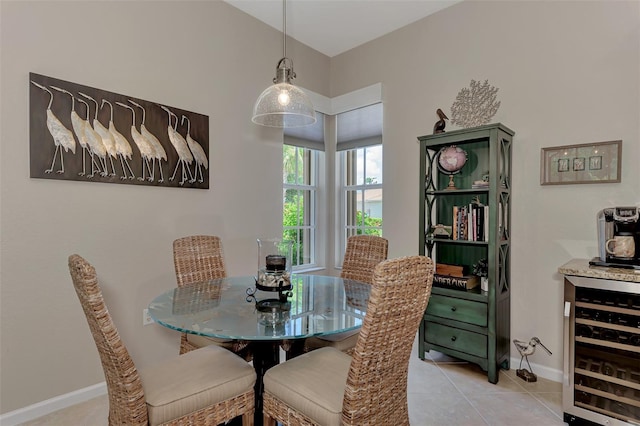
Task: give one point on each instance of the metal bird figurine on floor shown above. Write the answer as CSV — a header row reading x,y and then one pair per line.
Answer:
x,y
526,349
440,124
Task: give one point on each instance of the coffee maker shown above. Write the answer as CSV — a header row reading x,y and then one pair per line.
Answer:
x,y
618,237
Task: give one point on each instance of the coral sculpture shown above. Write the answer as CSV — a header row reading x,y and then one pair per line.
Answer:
x,y
475,105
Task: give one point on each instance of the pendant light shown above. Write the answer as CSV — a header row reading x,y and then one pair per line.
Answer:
x,y
283,104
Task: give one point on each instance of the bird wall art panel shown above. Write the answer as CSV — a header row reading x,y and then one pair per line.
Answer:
x,y
81,133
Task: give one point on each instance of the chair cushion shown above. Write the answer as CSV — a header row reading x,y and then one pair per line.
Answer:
x,y
326,369
341,341
192,381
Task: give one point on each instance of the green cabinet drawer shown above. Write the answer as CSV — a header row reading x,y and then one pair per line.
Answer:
x,y
458,309
455,338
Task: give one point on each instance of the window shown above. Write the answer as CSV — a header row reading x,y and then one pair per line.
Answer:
x,y
362,191
332,182
359,144
300,166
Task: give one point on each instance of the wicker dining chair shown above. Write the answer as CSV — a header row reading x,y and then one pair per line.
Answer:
x,y
199,258
208,386
362,254
328,387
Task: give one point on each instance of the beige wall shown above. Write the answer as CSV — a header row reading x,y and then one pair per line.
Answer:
x,y
205,57
568,72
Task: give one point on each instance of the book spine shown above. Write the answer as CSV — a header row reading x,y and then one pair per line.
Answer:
x,y
486,223
469,223
462,212
474,222
454,233
480,222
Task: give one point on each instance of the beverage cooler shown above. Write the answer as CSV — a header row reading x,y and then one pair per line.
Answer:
x,y
601,383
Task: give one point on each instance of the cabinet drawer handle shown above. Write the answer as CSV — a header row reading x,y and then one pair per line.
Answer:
x,y
453,309
453,338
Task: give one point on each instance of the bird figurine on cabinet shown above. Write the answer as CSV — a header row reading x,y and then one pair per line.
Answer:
x,y
526,349
440,124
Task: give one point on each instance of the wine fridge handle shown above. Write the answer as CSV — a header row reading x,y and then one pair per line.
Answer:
x,y
567,344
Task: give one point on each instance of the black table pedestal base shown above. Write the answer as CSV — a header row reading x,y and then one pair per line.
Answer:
x,y
265,356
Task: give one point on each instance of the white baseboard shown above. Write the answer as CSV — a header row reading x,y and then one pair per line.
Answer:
x,y
540,370
43,408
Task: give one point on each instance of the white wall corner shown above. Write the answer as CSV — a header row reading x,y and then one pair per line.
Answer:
x,y
357,99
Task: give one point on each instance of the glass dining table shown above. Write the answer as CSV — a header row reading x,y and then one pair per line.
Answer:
x,y
232,308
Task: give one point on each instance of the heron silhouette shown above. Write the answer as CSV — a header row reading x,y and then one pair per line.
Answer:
x,y
78,125
123,148
185,158
198,153
160,153
62,137
107,137
96,147
145,148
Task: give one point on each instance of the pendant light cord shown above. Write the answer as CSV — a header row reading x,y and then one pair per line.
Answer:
x,y
284,28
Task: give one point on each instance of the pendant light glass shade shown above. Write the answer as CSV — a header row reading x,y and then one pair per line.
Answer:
x,y
283,104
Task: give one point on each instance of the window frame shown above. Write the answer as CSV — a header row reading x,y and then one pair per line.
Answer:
x,y
348,168
310,173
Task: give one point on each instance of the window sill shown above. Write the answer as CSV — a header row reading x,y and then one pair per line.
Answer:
x,y
309,269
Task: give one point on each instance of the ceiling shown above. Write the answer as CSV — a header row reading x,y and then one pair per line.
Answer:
x,y
335,26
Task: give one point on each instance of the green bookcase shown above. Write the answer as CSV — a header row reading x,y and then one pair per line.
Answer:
x,y
473,325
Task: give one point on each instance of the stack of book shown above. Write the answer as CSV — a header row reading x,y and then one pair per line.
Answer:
x,y
454,277
470,222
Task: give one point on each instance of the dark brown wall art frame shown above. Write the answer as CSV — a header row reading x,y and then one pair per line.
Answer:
x,y
81,133
598,162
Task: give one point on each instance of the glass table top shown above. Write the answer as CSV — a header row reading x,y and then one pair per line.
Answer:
x,y
224,308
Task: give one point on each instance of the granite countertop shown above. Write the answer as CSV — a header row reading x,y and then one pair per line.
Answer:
x,y
581,268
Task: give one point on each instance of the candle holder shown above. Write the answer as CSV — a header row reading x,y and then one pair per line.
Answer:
x,y
274,265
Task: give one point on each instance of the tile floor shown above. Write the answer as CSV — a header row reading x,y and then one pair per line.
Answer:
x,y
442,391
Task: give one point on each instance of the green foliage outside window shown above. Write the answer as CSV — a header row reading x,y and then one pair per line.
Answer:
x,y
370,224
292,217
